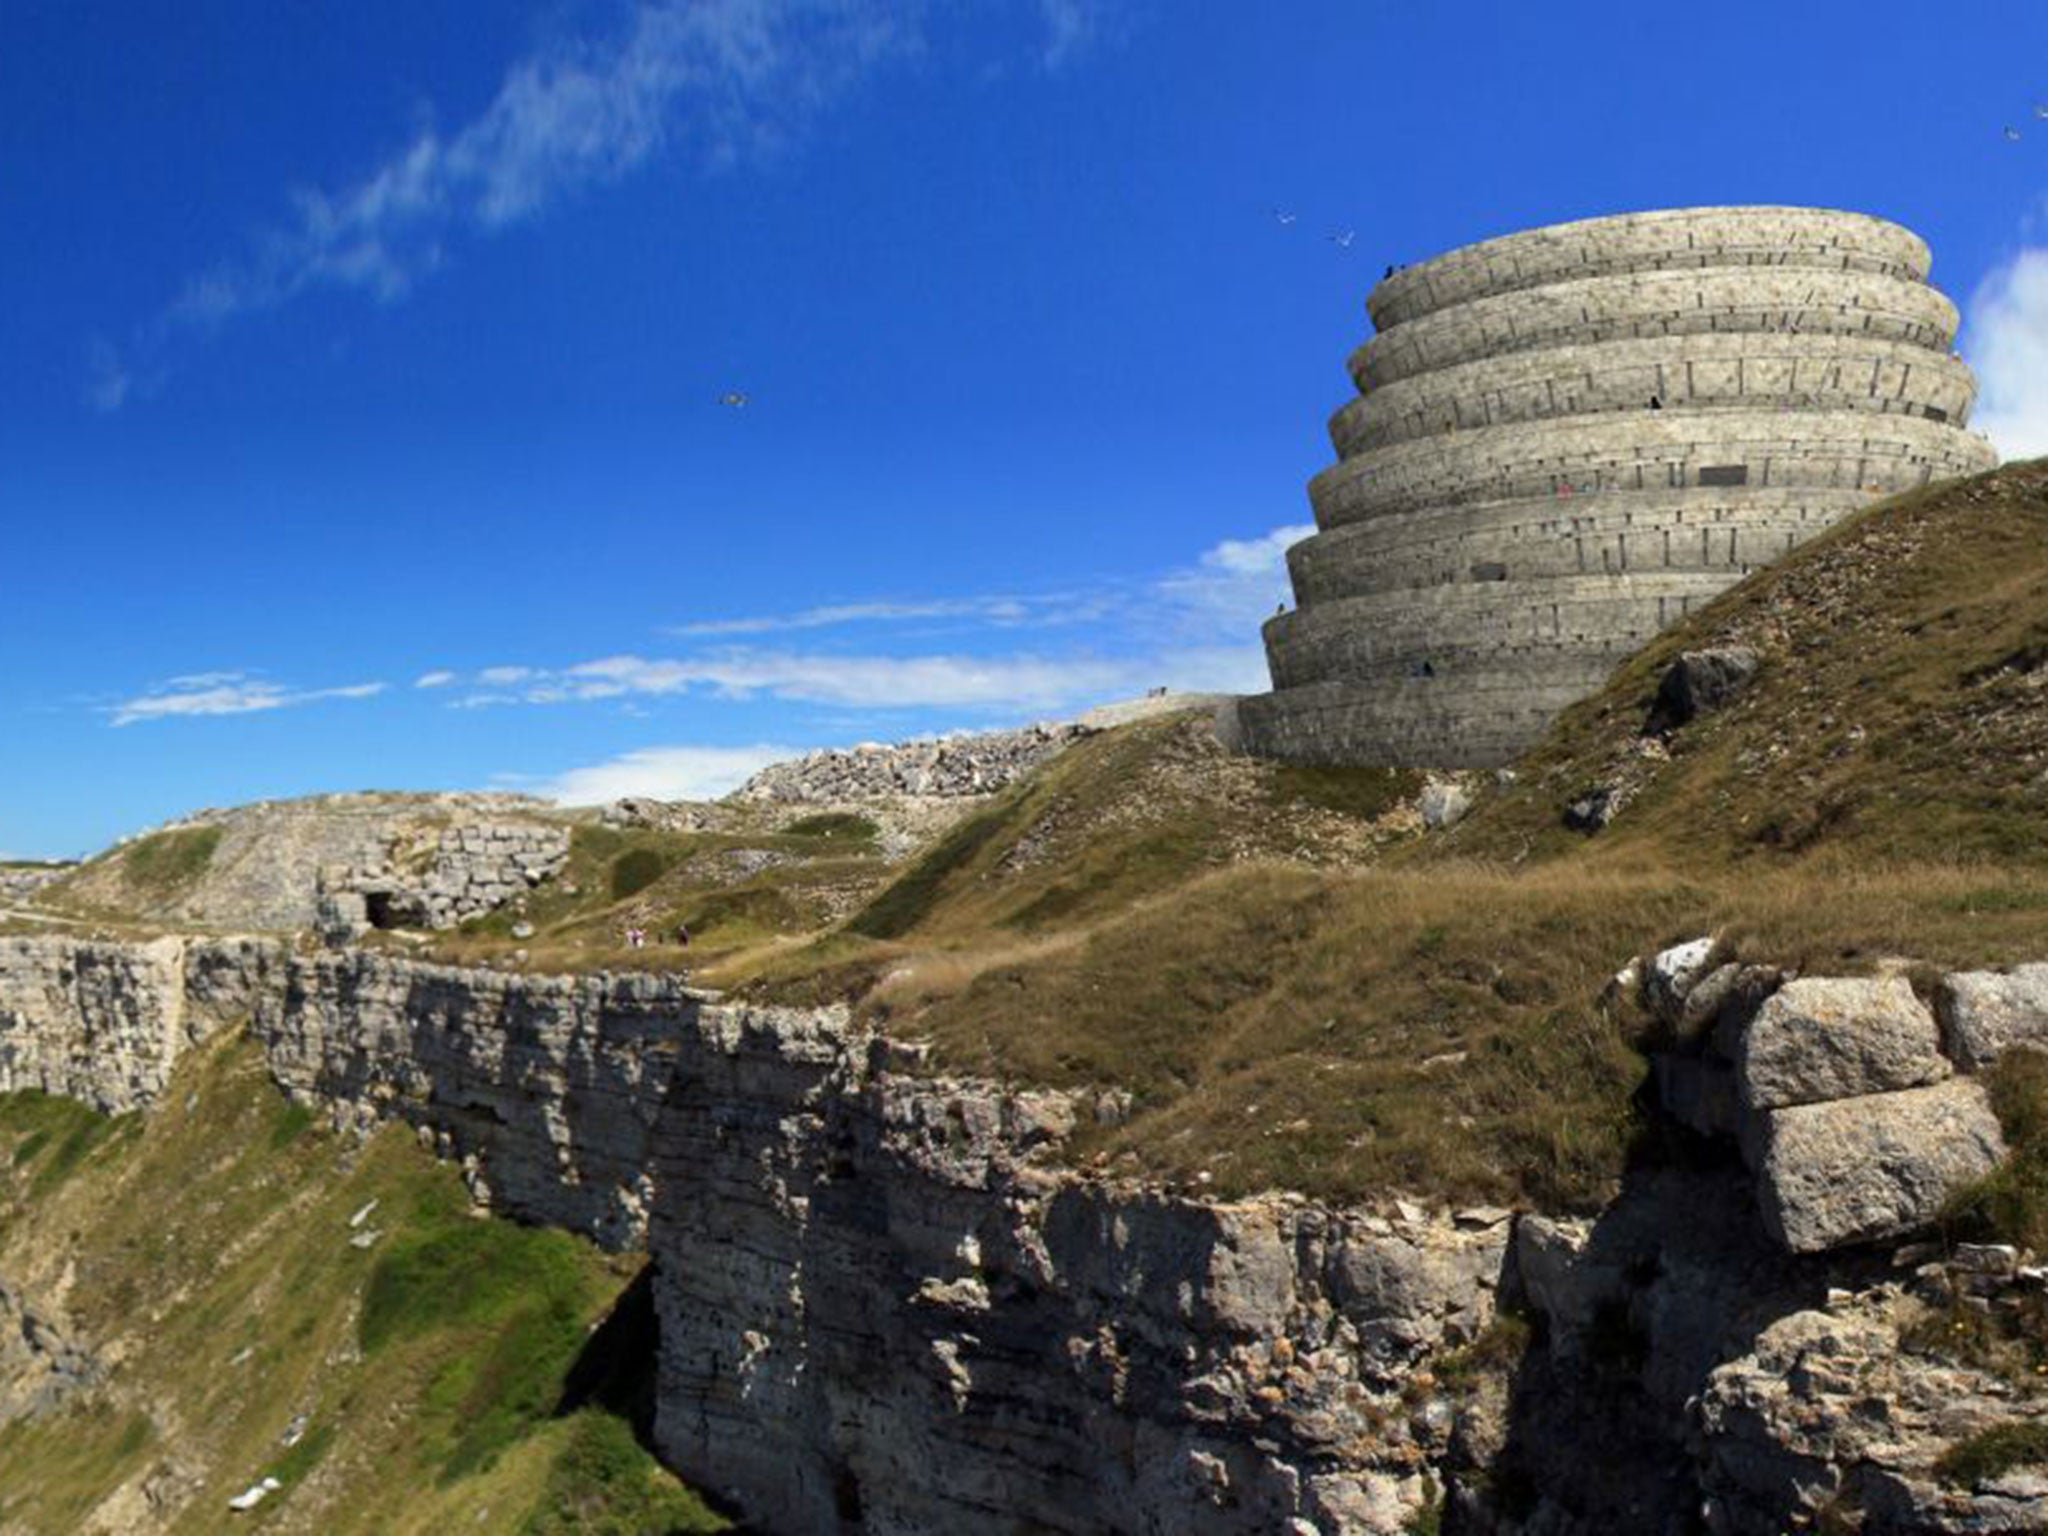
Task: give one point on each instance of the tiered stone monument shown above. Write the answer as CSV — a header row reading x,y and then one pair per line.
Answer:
x,y
1567,439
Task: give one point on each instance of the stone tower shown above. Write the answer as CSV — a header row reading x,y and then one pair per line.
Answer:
x,y
1566,439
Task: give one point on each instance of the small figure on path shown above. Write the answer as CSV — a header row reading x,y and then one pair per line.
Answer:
x,y
683,935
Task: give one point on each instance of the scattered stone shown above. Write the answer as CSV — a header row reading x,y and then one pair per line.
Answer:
x,y
365,1239
1822,1038
1878,1166
362,1215
948,767
295,1431
1594,809
1672,973
522,930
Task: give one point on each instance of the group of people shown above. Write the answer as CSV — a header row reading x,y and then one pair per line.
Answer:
x,y
636,938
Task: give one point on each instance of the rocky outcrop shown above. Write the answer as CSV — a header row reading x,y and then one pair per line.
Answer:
x,y
1837,1091
949,767
889,1303
100,1023
885,1308
40,1368
22,882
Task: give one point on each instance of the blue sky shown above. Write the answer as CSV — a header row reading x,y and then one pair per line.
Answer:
x,y
363,422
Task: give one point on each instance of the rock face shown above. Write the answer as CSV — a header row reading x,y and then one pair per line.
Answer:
x,y
1105,1360
889,1304
884,1304
100,1023
1567,439
950,767
40,1370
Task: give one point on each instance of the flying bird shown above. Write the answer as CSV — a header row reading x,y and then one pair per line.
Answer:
x,y
1342,238
2012,135
733,398
1283,216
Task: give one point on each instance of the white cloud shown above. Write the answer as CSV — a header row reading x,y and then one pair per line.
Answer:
x,y
885,682
2009,350
1071,29
1196,627
226,693
1233,587
439,678
1000,612
663,773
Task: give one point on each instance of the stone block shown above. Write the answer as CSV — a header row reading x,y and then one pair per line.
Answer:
x,y
1987,1013
1821,1038
1858,1170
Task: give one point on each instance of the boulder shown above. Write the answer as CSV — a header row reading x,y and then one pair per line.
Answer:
x,y
1700,682
1444,803
1986,1013
1672,974
1859,1169
1821,1038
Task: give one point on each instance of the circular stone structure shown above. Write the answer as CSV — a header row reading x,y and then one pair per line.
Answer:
x,y
1567,439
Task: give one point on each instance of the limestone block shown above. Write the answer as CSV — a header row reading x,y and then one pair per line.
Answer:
x,y
1987,1013
1856,1170
1821,1038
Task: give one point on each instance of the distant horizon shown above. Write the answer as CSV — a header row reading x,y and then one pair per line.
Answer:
x,y
634,392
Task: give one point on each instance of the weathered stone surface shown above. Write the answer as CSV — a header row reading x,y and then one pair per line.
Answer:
x,y
1855,1170
1987,1013
1444,803
40,1367
1822,1038
100,1023
1700,682
1826,1405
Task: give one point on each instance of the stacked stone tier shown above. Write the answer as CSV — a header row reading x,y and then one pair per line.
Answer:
x,y
1651,450
1669,239
1569,439
1735,371
1672,304
1589,533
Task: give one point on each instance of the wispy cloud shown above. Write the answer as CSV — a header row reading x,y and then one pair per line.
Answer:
x,y
1000,612
2009,350
441,677
662,773
1194,627
225,693
724,80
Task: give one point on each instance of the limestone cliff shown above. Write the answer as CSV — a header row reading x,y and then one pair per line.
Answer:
x,y
887,1303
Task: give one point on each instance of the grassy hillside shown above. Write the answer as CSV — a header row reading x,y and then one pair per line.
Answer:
x,y
1298,991
204,1253
1898,715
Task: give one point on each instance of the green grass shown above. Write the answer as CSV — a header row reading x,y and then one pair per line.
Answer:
x,y
635,870
164,862
2011,1204
835,826
208,1248
1990,1453
605,1484
915,895
48,1138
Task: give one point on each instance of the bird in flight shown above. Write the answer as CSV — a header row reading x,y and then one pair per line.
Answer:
x,y
1283,216
2042,110
2012,135
733,398
1342,238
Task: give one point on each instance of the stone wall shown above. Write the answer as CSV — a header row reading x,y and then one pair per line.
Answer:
x,y
1510,516
441,877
